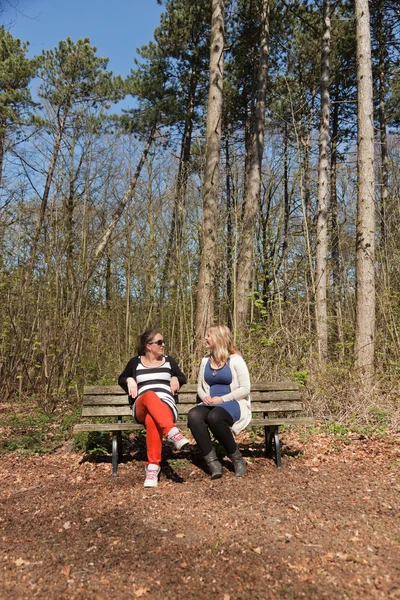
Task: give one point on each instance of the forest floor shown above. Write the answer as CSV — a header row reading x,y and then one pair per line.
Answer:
x,y
327,525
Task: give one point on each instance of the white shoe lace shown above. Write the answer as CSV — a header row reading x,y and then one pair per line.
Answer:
x,y
151,475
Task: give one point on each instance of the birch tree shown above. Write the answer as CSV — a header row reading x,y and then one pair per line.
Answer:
x,y
321,311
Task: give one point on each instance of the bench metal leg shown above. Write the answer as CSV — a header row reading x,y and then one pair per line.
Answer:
x,y
120,454
273,444
115,453
277,449
268,434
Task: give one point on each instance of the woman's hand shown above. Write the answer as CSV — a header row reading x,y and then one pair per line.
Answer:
x,y
210,401
174,384
132,387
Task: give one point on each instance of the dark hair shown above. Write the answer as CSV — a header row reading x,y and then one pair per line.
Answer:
x,y
143,339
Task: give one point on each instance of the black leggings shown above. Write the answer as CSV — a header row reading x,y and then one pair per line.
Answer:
x,y
218,420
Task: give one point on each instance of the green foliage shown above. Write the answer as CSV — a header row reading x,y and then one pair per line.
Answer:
x,y
177,463
301,377
168,80
72,73
30,434
93,442
16,72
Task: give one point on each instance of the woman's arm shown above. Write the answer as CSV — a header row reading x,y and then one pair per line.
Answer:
x,y
242,373
176,372
201,392
127,379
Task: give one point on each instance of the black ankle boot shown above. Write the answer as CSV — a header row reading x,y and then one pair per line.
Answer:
x,y
213,464
238,463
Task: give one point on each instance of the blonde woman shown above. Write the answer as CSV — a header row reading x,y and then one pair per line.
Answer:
x,y
224,390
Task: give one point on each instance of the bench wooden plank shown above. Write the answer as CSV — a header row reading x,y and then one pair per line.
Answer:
x,y
113,390
283,421
105,400
105,411
183,424
189,398
281,406
107,427
255,396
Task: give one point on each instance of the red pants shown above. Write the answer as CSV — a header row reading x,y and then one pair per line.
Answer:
x,y
158,420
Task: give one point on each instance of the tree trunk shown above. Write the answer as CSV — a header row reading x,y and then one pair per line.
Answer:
x,y
229,229
3,123
321,311
334,210
384,183
286,213
365,241
205,291
253,181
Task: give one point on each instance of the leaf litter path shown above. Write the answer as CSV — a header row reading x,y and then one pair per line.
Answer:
x,y
325,526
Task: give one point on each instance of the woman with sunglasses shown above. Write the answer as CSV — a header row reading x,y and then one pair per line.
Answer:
x,y
224,389
151,379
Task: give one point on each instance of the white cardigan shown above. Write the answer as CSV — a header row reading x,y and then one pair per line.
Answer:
x,y
240,389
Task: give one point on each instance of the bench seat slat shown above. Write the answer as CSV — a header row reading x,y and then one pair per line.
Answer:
x,y
104,411
292,406
284,421
107,427
137,427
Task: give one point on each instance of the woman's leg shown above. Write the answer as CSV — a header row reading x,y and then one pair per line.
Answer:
x,y
158,419
146,409
150,403
197,421
220,423
154,437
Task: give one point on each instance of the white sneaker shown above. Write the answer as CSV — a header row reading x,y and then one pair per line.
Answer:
x,y
152,472
177,438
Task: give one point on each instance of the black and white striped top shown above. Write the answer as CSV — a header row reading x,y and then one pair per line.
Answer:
x,y
156,379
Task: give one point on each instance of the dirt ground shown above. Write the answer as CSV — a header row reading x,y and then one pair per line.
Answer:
x,y
327,525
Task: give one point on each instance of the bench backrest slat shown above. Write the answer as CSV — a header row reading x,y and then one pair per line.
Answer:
x,y
262,396
115,390
191,398
105,400
106,411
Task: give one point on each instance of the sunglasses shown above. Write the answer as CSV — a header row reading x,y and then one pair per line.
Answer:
x,y
158,342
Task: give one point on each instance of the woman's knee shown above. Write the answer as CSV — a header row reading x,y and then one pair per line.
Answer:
x,y
214,418
149,397
195,417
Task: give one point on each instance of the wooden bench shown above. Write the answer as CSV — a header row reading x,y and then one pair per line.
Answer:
x,y
272,405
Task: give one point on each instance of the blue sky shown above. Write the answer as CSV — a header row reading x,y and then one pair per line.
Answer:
x,y
117,28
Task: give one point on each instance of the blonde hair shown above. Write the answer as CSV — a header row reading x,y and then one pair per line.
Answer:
x,y
224,344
